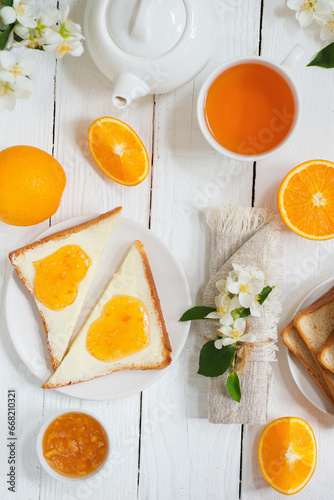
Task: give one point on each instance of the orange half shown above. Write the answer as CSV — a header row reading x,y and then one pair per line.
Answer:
x,y
287,454
306,200
118,151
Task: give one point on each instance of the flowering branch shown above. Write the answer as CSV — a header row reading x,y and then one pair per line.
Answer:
x,y
241,295
21,25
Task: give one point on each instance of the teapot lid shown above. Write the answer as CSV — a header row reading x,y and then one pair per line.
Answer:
x,y
146,28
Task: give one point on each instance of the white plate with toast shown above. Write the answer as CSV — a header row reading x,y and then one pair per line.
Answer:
x,y
28,335
303,379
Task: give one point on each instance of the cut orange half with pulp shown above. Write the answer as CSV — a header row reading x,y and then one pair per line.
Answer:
x,y
306,200
118,151
287,454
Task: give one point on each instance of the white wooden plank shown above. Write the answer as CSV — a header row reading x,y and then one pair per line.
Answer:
x,y
83,95
306,263
30,123
184,456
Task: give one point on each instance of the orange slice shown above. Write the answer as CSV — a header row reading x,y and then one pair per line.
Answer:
x,y
287,454
306,200
118,151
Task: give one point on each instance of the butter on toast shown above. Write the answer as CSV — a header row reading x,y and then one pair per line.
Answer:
x,y
292,339
133,279
91,237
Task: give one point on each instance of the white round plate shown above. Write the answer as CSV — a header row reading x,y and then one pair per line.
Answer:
x,y
301,376
28,335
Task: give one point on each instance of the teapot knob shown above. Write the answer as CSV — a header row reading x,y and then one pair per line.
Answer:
x,y
140,26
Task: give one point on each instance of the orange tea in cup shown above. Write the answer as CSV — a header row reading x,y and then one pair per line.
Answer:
x,y
249,108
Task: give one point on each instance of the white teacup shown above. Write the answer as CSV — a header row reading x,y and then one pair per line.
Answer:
x,y
252,150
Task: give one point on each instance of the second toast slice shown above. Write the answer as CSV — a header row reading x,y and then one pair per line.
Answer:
x,y
86,359
297,346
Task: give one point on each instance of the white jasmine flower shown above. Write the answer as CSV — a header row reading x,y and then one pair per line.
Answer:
x,y
60,46
255,308
47,18
7,94
22,68
13,79
254,273
22,31
7,15
23,87
64,12
306,10
244,284
23,10
67,26
221,286
12,88
234,333
224,305
326,20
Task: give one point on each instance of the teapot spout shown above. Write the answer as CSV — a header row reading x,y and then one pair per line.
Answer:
x,y
127,87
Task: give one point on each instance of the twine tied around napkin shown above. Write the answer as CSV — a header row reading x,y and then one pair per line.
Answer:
x,y
248,237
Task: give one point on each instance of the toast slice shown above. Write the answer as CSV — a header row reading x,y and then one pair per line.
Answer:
x,y
314,325
91,237
134,279
326,353
292,339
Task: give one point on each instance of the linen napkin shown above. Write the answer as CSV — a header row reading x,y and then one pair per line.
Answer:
x,y
245,236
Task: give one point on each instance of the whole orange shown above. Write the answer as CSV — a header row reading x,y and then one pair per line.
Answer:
x,y
31,185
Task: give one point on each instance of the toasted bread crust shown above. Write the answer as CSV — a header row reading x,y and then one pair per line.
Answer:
x,y
158,366
316,374
154,294
321,301
62,234
322,353
54,237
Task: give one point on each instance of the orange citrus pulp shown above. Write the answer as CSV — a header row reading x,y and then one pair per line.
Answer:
x,y
306,200
118,151
287,454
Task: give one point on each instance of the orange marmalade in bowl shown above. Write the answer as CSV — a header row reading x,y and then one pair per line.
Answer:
x,y
75,445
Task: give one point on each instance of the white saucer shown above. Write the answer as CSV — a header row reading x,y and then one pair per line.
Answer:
x,y
28,335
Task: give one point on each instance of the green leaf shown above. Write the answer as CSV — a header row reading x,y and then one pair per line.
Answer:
x,y
8,3
4,36
197,312
324,58
264,294
233,386
244,313
214,362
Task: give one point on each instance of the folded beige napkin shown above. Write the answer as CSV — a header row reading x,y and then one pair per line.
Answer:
x,y
245,236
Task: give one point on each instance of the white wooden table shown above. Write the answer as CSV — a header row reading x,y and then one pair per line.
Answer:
x,y
162,446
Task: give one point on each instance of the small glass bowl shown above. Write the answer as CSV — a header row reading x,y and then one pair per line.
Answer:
x,y
47,467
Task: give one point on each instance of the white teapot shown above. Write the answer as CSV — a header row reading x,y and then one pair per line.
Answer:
x,y
149,46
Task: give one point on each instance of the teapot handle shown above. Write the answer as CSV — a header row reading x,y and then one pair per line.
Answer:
x,y
293,57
